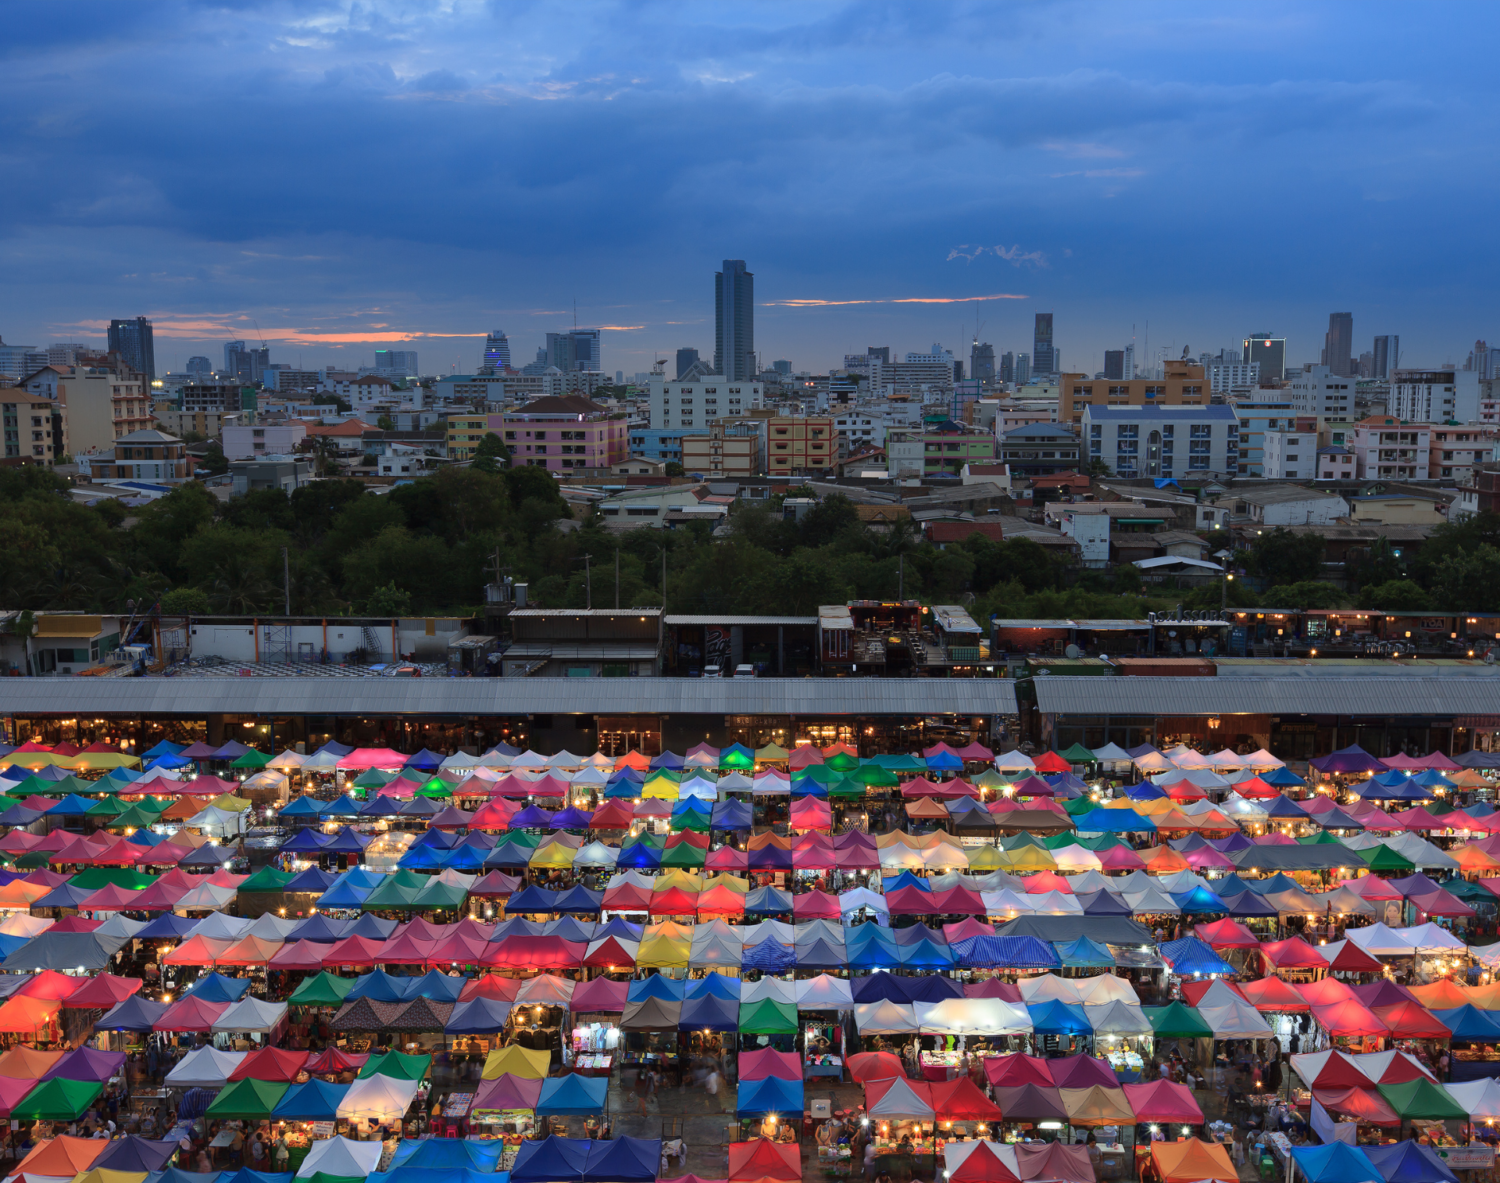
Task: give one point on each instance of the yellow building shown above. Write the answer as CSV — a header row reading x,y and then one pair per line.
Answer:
x,y
464,434
1184,384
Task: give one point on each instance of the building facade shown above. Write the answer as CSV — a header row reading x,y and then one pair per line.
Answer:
x,y
1434,396
35,429
799,446
734,322
1386,448
1319,391
699,402
1162,441
1184,384
1269,353
100,405
726,450
133,340
145,456
245,443
1040,449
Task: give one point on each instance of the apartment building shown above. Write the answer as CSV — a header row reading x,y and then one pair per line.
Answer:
x,y
101,405
1457,451
1386,448
1040,449
701,401
725,450
1183,384
1162,441
560,434
1434,396
36,429
799,446
1291,455
203,424
246,443
1319,392
1336,463
144,456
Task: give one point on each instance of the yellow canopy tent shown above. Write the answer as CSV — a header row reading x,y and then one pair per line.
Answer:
x,y
525,1062
677,877
661,787
231,803
986,858
724,879
663,952
553,856
1032,858
1076,858
897,838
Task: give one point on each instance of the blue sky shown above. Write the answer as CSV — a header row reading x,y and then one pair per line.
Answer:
x,y
348,176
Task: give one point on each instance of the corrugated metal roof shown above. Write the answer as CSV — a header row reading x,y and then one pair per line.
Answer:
x,y
746,620
196,697
1368,695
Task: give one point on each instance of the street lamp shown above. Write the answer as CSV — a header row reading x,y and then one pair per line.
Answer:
x,y
1224,591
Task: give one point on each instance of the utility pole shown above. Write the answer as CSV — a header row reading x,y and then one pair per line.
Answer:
x,y
617,579
1224,593
901,577
588,584
286,579
664,580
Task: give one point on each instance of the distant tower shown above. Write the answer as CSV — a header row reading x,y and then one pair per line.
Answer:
x,y
734,321
1043,361
496,351
134,341
1387,353
199,365
686,356
1339,343
982,362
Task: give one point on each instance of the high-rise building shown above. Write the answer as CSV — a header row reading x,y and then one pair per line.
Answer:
x,y
1114,365
1484,361
66,353
133,341
244,364
782,367
685,358
1007,367
883,352
1023,369
1269,353
396,363
1043,359
199,365
496,351
576,350
982,362
20,361
734,321
1338,343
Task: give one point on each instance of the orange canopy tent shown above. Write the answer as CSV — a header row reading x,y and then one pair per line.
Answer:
x,y
27,1015
26,1063
1192,1161
62,1156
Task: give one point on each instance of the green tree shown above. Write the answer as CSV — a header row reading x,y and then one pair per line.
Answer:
x,y
1097,468
1397,595
389,600
674,469
491,455
385,423
831,517
1308,594
186,601
1281,556
214,460
1468,580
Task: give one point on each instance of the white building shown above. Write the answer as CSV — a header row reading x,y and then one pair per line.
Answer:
x,y
1168,441
1434,396
701,401
1290,505
247,443
1088,525
1224,376
1315,391
1291,455
1336,463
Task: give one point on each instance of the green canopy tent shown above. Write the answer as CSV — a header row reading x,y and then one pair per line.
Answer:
x,y
990,779
874,776
110,806
437,893
1176,1021
436,787
399,891
325,989
1383,858
691,819
768,1017
1423,1100
1077,754
140,816
1323,838
373,778
93,878
1079,806
524,838
1098,842
845,786
251,759
32,860
267,879
1058,841
684,855
57,1100
738,758
397,1065
252,1100
39,786
901,763
1017,841
842,762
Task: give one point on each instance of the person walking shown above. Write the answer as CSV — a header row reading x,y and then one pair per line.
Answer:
x,y
712,1085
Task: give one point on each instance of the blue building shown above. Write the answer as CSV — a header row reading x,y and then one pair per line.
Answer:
x,y
657,443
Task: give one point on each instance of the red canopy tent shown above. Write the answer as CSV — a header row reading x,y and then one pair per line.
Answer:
x,y
1226,934
958,901
865,1066
813,905
1363,1104
1273,995
1294,953
960,1100
1164,1101
768,1062
982,1165
1016,1069
764,1159
1051,762
1349,1020
1411,1020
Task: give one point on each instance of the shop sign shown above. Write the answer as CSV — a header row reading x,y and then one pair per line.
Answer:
x,y
1467,1158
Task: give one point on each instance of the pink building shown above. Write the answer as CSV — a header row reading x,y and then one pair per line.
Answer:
x,y
563,433
1457,450
1390,449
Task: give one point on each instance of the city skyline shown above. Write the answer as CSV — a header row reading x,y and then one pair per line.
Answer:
x,y
1011,161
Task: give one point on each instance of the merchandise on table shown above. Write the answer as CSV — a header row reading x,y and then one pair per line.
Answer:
x,y
1124,1060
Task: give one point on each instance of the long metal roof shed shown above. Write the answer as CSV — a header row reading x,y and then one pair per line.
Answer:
x,y
1290,695
196,697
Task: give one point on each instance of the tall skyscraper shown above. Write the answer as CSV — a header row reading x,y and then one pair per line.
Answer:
x,y
574,350
1114,365
134,342
496,351
1338,343
685,358
734,321
783,367
1042,359
21,361
1007,367
199,365
246,365
1023,369
982,362
1269,353
396,363
1387,353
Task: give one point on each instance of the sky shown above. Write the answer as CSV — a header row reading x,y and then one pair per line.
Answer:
x,y
335,178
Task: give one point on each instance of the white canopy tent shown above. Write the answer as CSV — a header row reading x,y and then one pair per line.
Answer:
x,y
881,1018
1229,1016
381,1099
973,1016
1427,939
251,1015
342,1156
1119,1019
204,1068
773,988
824,993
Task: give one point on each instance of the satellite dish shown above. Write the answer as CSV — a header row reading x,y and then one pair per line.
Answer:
x,y
1071,652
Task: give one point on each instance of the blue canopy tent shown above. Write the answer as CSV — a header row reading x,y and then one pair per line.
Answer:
x,y
622,1160
348,841
1281,778
318,928
423,858
732,815
770,1095
639,857
311,881
882,987
1145,791
533,817
806,786
134,1014
305,841
1199,902
821,954
308,808
579,900
344,806
656,986
1231,884
478,1016
873,951
1103,903
919,931
176,1175
710,1013
569,928
71,806
944,762
1191,956
379,986
669,760
420,807
934,988
925,954
449,1154
1113,821
714,985
19,815
1469,1022
132,1153
334,748
769,858
167,927
1248,903
552,1160
171,763
1409,1162
372,926
770,956
890,883
1084,953
438,987
1010,952
424,759
621,929
381,805
1337,1163
215,987
1285,809
532,898
518,926
1059,1018
313,1100
163,747
67,896
768,901
572,1096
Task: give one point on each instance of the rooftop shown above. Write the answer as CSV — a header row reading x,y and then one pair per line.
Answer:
x,y
1280,494
1215,412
